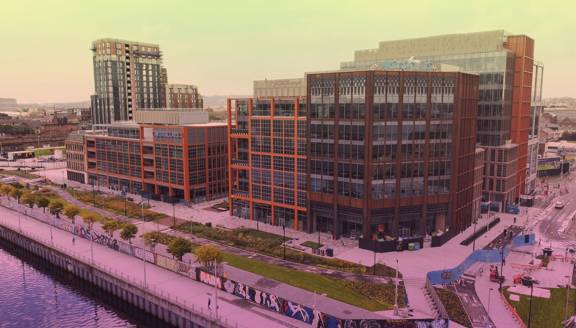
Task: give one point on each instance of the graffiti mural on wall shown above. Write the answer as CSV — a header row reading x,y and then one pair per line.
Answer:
x,y
144,254
98,238
303,313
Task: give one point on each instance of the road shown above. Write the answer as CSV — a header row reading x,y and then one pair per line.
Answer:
x,y
557,224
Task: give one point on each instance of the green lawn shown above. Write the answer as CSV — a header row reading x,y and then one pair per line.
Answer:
x,y
454,307
271,245
372,297
21,174
545,312
335,289
116,204
311,244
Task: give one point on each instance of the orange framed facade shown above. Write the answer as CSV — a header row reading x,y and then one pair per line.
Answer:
x,y
267,160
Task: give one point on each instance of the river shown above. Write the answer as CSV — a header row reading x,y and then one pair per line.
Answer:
x,y
33,294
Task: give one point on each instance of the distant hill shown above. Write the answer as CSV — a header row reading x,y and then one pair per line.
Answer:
x,y
62,105
219,101
560,102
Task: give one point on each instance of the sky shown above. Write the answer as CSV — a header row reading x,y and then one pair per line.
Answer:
x,y
222,46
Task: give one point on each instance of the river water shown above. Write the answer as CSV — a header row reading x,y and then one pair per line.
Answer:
x,y
35,295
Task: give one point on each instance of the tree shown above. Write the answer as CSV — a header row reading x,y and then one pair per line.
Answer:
x,y
42,202
5,189
56,207
16,193
110,226
29,199
208,255
71,211
179,246
128,232
89,219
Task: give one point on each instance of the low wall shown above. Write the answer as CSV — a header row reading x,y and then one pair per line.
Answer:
x,y
167,311
306,314
389,245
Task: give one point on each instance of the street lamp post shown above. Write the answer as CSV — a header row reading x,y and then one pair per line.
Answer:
x,y
318,228
474,241
94,193
374,251
567,296
51,235
395,290
141,208
501,268
530,306
125,204
316,299
489,296
215,290
91,243
284,238
152,246
19,223
174,212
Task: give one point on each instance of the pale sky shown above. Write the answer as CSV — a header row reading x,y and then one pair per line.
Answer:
x,y
222,46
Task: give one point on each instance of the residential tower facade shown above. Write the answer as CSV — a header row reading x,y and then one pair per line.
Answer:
x,y
127,77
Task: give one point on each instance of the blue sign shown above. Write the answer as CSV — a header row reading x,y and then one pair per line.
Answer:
x,y
168,135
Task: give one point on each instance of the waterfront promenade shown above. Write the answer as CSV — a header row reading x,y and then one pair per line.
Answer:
x,y
193,295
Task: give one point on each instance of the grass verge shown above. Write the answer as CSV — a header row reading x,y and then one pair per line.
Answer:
x,y
369,296
545,312
116,204
454,307
271,245
18,173
311,244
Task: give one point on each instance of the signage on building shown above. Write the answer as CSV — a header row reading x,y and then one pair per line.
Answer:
x,y
170,135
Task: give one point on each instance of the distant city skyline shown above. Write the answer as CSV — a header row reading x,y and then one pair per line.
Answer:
x,y
222,48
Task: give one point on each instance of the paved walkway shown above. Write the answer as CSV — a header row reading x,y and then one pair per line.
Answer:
x,y
324,304
336,274
174,287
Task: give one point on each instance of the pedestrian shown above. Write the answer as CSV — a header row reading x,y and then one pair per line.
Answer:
x,y
514,219
209,304
73,240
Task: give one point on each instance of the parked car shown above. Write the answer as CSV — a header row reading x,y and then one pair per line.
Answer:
x,y
559,204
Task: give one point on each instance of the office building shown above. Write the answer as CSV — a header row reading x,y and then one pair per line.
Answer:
x,y
504,63
374,154
536,110
127,77
75,160
183,96
391,153
267,161
161,154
